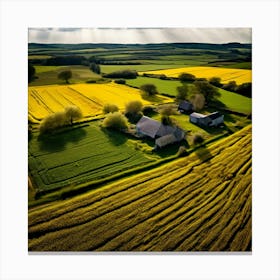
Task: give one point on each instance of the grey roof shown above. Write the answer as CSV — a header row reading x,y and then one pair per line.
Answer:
x,y
197,115
185,105
165,140
214,115
148,126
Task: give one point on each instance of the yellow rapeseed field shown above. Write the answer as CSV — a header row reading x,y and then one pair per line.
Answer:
x,y
44,100
240,76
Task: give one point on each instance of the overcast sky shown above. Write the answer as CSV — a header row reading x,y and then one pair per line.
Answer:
x,y
139,35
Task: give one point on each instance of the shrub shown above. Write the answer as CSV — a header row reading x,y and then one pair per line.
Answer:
x,y
182,151
72,113
52,122
110,108
95,68
133,107
230,86
197,139
182,93
148,110
120,81
91,81
115,120
125,74
149,89
215,81
198,101
186,77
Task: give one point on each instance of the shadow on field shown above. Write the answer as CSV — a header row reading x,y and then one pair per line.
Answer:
x,y
203,154
57,142
116,137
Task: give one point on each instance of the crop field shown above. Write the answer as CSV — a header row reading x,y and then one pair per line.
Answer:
x,y
79,155
201,202
240,76
90,98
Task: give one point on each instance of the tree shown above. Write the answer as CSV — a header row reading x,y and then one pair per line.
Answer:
x,y
115,120
245,89
182,93
95,68
186,77
65,75
230,86
215,81
122,74
133,111
52,122
198,101
110,108
72,113
209,92
31,72
149,89
197,139
166,111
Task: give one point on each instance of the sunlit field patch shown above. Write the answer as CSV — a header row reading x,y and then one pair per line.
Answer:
x,y
240,76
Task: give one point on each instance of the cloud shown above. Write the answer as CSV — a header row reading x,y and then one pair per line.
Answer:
x,y
134,35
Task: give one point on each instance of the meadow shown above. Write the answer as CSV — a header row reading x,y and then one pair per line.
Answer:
x,y
85,153
228,100
240,76
201,202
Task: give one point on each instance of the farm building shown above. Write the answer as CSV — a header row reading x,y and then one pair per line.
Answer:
x,y
164,134
185,107
212,119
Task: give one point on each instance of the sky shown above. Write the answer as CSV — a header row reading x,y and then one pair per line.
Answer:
x,y
71,35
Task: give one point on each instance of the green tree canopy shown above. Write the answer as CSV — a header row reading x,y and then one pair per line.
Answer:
x,y
149,89
65,75
207,90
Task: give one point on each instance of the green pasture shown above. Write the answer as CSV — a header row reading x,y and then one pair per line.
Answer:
x,y
47,75
80,155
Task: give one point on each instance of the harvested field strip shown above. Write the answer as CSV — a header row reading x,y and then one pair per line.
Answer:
x,y
176,207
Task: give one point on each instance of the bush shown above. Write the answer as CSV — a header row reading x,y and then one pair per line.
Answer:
x,y
116,121
215,81
186,77
182,93
182,151
197,139
230,86
149,89
125,74
72,113
65,75
110,108
198,101
133,107
148,110
52,122
95,68
91,81
120,81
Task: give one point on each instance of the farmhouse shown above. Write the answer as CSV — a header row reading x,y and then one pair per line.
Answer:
x,y
185,107
164,134
213,119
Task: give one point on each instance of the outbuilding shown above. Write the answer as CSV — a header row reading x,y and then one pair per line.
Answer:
x,y
185,107
213,119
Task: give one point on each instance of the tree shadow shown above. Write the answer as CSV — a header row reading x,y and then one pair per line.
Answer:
x,y
116,137
57,142
203,154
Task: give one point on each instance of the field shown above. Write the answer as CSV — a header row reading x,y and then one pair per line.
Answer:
x,y
240,76
229,100
201,202
91,98
80,155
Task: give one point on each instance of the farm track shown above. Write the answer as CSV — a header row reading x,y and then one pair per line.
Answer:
x,y
198,203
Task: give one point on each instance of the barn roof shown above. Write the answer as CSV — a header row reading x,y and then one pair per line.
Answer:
x,y
165,140
197,115
148,126
185,105
214,115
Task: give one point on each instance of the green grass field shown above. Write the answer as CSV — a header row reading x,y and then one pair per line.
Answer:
x,y
230,100
80,155
47,75
201,202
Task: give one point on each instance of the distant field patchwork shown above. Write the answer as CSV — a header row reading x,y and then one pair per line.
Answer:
x,y
202,202
226,74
